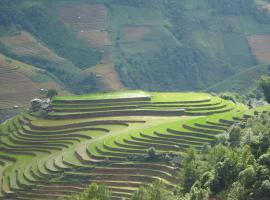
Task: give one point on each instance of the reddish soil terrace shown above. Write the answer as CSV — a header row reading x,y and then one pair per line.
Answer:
x,y
260,47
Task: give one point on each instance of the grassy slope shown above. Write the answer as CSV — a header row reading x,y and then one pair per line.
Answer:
x,y
36,164
43,164
242,82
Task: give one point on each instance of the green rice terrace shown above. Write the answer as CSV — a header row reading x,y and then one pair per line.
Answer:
x,y
104,138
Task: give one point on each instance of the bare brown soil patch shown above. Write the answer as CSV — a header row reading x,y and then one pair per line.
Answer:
x,y
108,77
260,47
89,22
107,57
134,33
85,17
25,44
96,37
16,88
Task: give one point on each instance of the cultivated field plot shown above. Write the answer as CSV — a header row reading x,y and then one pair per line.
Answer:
x,y
89,22
134,33
139,30
96,37
25,44
16,86
85,17
104,138
107,76
260,46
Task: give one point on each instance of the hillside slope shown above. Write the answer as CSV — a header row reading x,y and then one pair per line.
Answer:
x,y
153,45
243,82
156,45
105,138
19,83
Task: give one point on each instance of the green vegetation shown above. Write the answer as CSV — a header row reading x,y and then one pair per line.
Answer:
x,y
236,167
210,46
52,93
106,95
243,82
134,144
154,45
34,19
265,85
124,140
93,192
155,191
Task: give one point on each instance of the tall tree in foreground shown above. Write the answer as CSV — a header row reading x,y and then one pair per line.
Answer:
x,y
237,169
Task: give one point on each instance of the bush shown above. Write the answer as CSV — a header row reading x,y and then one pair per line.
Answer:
x,y
235,136
152,152
155,191
52,93
93,192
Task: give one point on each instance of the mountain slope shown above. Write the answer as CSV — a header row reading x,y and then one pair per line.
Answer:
x,y
153,45
19,83
104,138
242,82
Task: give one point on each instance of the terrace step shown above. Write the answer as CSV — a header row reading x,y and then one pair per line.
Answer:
x,y
91,140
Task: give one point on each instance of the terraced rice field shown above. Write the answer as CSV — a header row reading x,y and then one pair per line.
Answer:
x,y
85,17
25,44
16,85
89,22
260,45
95,138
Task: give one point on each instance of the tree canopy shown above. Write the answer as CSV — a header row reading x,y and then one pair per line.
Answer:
x,y
265,85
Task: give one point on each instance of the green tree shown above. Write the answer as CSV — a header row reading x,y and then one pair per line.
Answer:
x,y
198,193
247,176
247,157
227,171
140,194
93,192
236,192
265,159
155,191
189,172
265,85
265,188
235,136
152,152
231,170
52,93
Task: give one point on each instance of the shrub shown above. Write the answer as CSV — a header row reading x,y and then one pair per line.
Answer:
x,y
235,136
155,191
151,152
51,93
93,192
